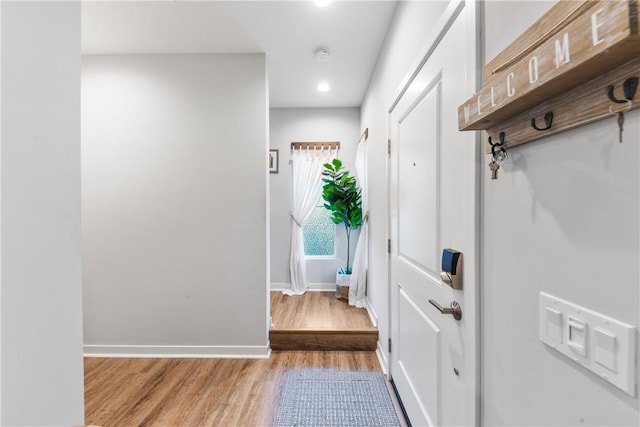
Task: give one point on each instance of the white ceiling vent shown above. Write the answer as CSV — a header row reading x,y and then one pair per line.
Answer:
x,y
322,55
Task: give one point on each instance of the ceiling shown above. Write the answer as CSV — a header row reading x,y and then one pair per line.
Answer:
x,y
288,32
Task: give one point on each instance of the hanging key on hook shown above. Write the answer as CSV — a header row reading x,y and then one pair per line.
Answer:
x,y
620,115
498,155
494,169
629,88
620,118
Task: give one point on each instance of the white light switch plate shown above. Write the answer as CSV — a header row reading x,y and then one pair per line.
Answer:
x,y
608,344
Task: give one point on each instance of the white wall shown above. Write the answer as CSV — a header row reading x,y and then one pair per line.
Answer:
x,y
0,215
307,124
404,46
174,204
562,218
42,368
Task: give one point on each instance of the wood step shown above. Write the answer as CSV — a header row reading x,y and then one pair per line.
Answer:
x,y
315,339
317,321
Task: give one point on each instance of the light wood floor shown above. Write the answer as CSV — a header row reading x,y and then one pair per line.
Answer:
x,y
227,392
198,392
319,321
318,310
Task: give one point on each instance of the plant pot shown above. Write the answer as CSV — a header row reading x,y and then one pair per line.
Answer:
x,y
343,280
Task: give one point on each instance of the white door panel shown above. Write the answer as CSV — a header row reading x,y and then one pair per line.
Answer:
x,y
419,352
418,224
433,205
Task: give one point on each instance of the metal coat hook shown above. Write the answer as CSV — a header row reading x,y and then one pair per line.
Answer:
x,y
548,121
501,137
629,88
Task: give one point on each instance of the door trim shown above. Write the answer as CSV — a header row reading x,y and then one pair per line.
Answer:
x,y
442,26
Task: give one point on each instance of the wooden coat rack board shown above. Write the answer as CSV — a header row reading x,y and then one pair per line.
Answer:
x,y
577,64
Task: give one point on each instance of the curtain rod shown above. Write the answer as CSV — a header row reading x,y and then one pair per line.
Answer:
x,y
326,144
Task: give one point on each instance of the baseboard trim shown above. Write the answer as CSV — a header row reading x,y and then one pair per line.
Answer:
x,y
279,286
382,359
372,314
178,351
313,287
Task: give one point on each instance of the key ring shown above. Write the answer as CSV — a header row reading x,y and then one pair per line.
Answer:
x,y
501,155
628,107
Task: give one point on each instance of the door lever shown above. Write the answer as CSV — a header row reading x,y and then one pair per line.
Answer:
x,y
455,309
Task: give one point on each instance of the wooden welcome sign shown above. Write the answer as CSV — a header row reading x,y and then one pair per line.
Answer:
x,y
572,44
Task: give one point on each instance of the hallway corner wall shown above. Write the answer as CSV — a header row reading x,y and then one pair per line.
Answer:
x,y
41,360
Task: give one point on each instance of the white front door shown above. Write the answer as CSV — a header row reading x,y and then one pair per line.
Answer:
x,y
433,188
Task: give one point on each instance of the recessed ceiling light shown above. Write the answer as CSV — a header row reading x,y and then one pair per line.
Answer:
x,y
323,87
322,3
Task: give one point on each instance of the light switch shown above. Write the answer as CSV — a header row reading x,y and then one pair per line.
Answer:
x,y
596,342
577,335
554,324
605,348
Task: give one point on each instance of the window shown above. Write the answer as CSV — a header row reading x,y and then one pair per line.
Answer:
x,y
319,233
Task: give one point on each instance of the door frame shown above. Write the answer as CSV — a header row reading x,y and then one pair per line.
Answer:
x,y
474,16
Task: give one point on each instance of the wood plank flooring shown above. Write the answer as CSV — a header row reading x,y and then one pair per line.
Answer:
x,y
319,321
319,310
230,392
198,392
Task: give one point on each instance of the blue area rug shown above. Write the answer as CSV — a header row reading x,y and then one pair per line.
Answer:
x,y
326,397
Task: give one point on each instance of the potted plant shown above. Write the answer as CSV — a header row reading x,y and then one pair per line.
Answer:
x,y
342,197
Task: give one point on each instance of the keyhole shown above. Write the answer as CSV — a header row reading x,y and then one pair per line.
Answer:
x,y
455,371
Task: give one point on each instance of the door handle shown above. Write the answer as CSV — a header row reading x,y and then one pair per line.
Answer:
x,y
455,309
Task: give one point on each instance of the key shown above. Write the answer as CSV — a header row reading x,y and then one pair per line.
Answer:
x,y
494,169
620,115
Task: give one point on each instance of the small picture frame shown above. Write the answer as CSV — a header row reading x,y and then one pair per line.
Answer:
x,y
273,161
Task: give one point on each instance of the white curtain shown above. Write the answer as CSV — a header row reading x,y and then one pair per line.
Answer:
x,y
358,285
306,168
